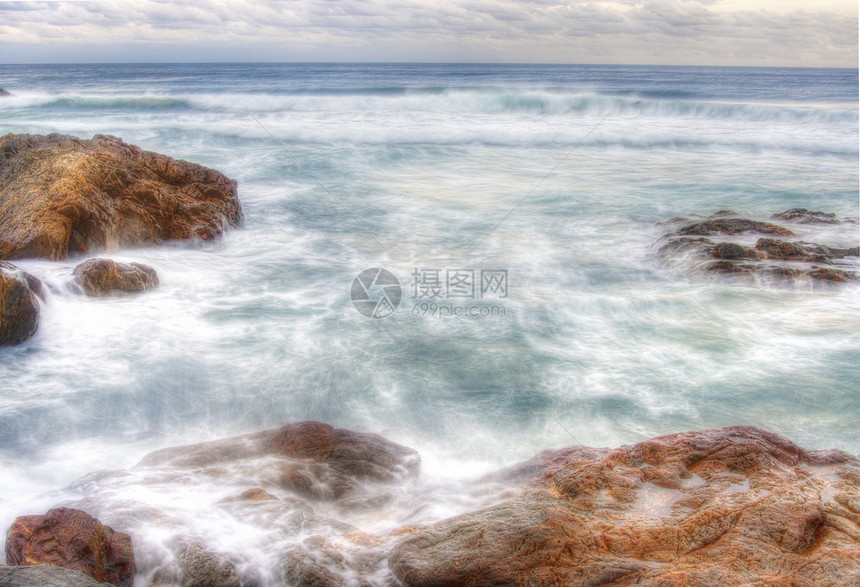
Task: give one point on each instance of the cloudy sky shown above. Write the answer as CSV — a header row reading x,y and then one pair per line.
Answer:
x,y
812,33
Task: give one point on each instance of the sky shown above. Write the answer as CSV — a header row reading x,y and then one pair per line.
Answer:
x,y
801,33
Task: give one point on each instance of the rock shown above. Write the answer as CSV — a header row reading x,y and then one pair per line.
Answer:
x,y
202,567
728,226
791,251
771,258
301,569
732,251
317,461
101,276
19,306
72,539
46,576
693,508
253,495
361,455
804,216
5,93
61,195
830,274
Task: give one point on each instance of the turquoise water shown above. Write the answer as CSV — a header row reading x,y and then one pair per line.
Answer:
x,y
557,175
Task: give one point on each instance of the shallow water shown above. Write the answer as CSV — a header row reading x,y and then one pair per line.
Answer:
x,y
555,174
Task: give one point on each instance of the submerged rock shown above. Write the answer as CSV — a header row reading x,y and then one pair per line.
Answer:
x,y
200,566
769,258
804,216
315,461
46,576
729,226
684,509
692,509
101,276
5,93
74,540
60,195
19,305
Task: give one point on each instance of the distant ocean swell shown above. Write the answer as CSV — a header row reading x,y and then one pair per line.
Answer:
x,y
453,101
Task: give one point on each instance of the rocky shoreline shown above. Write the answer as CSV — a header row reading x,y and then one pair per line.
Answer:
x,y
725,243
62,196
728,506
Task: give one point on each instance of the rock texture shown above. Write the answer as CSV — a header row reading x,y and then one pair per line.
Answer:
x,y
19,306
733,506
74,540
316,460
46,576
736,506
61,195
704,243
100,276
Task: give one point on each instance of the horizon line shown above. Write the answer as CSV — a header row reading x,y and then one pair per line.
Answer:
x,y
429,63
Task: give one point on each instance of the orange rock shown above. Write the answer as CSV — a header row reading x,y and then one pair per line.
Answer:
x,y
60,195
731,506
19,307
74,540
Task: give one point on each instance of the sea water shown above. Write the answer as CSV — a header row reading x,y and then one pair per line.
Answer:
x,y
523,198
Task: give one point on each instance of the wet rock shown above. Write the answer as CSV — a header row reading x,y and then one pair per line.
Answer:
x,y
301,569
253,495
5,93
723,214
730,226
791,251
804,216
60,195
772,259
727,267
19,305
733,251
684,245
46,576
199,566
684,509
75,540
313,460
830,274
361,455
100,276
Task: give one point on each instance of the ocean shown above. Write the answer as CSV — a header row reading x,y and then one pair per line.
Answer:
x,y
515,209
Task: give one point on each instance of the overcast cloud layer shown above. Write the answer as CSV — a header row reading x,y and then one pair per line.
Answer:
x,y
706,32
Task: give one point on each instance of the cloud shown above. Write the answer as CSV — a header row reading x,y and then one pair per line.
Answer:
x,y
621,31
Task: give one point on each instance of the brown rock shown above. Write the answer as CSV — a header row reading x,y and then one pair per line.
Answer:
x,y
804,216
360,455
301,569
61,195
256,494
74,540
202,567
791,251
727,226
829,274
19,306
732,251
732,506
101,276
317,460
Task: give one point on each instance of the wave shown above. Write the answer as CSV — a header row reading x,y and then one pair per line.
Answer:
x,y
441,100
142,103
